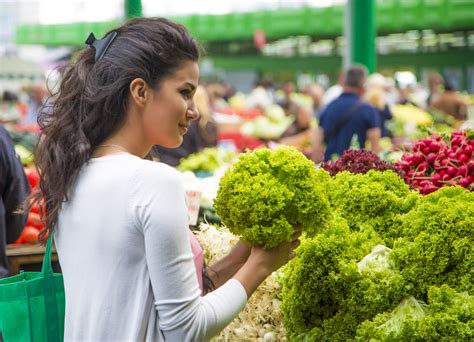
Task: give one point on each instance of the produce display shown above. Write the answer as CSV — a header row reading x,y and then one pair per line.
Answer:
x,y
325,294
437,243
436,162
270,126
265,193
344,283
375,199
206,161
357,161
261,318
408,119
448,316
34,223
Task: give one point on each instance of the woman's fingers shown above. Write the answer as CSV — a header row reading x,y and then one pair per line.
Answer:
x,y
295,244
296,235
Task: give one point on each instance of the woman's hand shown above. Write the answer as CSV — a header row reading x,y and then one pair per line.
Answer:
x,y
272,259
262,262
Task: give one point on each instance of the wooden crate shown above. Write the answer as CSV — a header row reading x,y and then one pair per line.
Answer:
x,y
28,258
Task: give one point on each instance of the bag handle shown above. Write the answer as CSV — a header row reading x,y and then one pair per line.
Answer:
x,y
47,267
50,301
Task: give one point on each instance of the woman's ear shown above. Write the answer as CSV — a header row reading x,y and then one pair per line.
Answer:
x,y
139,92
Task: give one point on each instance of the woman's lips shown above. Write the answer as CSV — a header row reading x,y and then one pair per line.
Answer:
x,y
183,128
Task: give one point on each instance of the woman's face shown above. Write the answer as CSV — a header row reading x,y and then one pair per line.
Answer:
x,y
167,114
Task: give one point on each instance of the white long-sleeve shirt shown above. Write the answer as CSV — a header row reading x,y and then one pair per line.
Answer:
x,y
125,254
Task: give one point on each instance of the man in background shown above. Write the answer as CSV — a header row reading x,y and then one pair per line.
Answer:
x,y
345,118
451,102
14,189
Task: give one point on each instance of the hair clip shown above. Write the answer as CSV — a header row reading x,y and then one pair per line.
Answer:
x,y
100,45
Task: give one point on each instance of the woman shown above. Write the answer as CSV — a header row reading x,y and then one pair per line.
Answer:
x,y
120,221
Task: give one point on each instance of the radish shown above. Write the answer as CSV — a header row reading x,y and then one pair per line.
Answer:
x,y
452,171
435,147
430,158
464,182
463,158
436,178
446,177
462,170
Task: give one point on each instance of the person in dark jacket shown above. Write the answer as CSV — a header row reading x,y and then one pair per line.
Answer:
x,y
345,118
14,189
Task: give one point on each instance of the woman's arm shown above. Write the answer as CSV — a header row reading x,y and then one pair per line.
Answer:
x,y
222,270
251,265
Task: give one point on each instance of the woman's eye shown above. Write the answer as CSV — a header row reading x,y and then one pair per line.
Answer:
x,y
186,93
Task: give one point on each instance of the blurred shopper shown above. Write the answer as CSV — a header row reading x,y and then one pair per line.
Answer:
x,y
217,93
120,222
262,96
346,118
404,95
333,92
316,92
299,133
391,92
202,133
302,119
375,95
37,100
451,102
283,97
435,84
14,189
11,109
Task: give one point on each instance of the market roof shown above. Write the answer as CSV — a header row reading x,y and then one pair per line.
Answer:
x,y
391,16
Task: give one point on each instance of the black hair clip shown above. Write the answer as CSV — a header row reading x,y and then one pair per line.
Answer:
x,y
100,45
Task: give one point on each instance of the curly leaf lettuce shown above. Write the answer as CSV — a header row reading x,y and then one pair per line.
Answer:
x,y
376,199
448,317
266,192
438,243
326,295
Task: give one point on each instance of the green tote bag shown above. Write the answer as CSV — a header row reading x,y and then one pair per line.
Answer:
x,y
32,304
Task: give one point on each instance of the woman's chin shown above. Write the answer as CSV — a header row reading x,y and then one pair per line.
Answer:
x,y
173,144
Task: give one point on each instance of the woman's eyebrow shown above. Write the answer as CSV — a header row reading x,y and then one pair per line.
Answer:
x,y
192,86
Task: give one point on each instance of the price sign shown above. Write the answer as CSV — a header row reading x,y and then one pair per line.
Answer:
x,y
193,202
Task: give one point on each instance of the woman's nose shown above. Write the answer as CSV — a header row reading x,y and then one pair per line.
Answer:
x,y
193,113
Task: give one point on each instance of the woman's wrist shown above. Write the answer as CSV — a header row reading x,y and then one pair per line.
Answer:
x,y
239,253
251,275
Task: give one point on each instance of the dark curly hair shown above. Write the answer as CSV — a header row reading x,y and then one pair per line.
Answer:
x,y
92,101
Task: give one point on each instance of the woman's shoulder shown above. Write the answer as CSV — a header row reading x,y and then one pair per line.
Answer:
x,y
156,172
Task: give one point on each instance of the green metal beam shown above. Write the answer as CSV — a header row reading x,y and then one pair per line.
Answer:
x,y
331,65
363,33
399,61
133,8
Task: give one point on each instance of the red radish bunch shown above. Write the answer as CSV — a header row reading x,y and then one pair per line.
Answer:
x,y
436,162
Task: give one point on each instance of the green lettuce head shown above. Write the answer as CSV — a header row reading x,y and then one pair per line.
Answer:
x,y
265,193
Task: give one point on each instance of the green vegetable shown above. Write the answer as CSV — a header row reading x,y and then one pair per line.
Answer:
x,y
327,294
266,192
376,199
449,317
207,160
26,156
438,247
